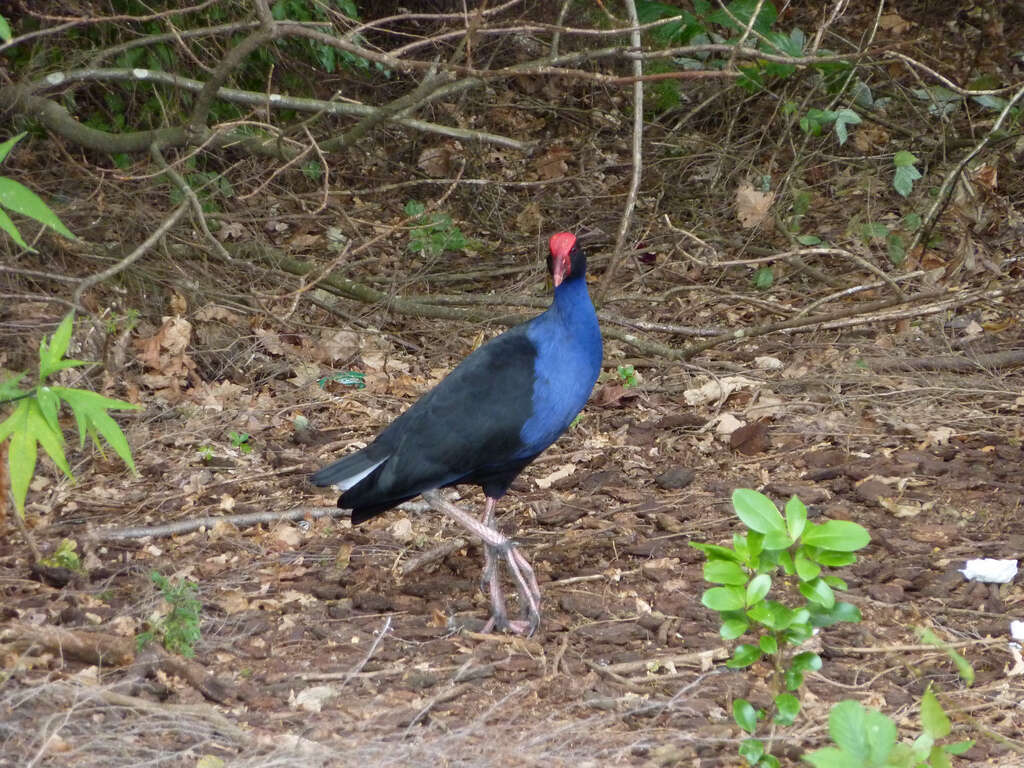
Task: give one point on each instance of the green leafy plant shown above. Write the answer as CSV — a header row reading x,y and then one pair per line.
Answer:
x,y
815,121
906,173
764,278
628,376
205,452
34,420
20,199
865,738
892,235
178,630
801,552
433,233
64,556
241,441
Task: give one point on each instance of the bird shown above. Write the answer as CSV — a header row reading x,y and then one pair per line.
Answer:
x,y
492,415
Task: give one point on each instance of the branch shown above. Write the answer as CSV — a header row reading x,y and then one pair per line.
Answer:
x,y
1010,358
239,521
22,97
634,182
132,257
942,198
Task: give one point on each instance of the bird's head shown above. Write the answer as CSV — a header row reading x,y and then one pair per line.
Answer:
x,y
566,259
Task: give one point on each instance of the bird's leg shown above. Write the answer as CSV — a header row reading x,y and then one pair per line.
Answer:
x,y
490,553
497,545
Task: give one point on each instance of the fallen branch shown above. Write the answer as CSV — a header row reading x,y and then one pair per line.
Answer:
x,y
952,363
97,648
440,552
238,521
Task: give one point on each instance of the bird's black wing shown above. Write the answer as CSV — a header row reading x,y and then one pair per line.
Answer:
x,y
463,428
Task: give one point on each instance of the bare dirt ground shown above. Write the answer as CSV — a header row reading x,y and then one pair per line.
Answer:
x,y
627,668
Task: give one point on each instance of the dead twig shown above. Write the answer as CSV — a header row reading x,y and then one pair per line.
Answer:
x,y
440,552
946,189
638,137
132,257
239,521
954,363
90,647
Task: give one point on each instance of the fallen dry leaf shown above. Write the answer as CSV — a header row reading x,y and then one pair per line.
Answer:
x,y
752,206
552,164
563,471
436,162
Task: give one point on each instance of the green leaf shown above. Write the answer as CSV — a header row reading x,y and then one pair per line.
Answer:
x,y
828,558
51,439
757,512
798,633
6,36
897,250
764,278
793,679
11,229
20,199
90,410
745,715
21,454
768,645
818,592
786,561
806,569
874,230
906,173
715,551
839,612
723,598
864,733
51,354
806,662
724,572
796,517
751,750
958,747
773,615
743,656
9,389
847,726
787,707
837,535
845,117
5,148
49,405
903,159
963,666
758,587
733,628
830,757
933,717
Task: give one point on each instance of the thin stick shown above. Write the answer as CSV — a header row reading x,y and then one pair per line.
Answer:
x,y
638,136
945,191
132,257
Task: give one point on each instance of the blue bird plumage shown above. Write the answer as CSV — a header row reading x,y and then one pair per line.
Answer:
x,y
494,413
491,416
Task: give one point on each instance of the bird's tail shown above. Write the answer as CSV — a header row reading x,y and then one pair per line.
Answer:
x,y
346,472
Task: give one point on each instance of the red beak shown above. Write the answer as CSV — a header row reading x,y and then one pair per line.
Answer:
x,y
559,269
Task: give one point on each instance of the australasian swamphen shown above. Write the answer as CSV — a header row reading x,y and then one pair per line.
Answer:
x,y
491,416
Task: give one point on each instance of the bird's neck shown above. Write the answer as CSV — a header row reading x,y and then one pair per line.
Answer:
x,y
572,303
